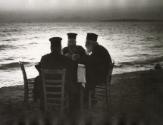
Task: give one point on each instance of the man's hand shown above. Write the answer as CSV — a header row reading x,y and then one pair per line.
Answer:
x,y
68,55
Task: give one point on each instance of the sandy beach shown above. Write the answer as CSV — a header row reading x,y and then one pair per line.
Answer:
x,y
134,96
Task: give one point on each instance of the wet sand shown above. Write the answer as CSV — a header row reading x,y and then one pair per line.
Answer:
x,y
136,96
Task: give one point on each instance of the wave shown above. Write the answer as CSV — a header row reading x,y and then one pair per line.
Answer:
x,y
4,47
12,39
149,38
142,62
13,65
156,46
3,35
33,37
7,59
10,30
33,43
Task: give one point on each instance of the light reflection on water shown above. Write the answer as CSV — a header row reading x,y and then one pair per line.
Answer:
x,y
133,43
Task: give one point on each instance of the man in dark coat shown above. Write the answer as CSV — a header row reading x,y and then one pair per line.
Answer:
x,y
97,63
73,51
55,60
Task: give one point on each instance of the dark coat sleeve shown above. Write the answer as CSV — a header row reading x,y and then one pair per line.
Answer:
x,y
65,50
97,65
44,62
40,64
83,56
82,51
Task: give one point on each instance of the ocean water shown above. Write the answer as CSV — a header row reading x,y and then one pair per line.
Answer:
x,y
133,46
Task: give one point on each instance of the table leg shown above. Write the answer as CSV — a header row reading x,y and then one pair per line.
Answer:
x,y
81,98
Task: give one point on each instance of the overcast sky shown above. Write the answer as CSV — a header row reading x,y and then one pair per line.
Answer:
x,y
106,9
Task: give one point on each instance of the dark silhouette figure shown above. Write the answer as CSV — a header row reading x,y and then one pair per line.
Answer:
x,y
97,64
55,60
73,51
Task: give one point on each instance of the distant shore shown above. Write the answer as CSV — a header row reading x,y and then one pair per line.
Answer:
x,y
80,20
131,20
133,95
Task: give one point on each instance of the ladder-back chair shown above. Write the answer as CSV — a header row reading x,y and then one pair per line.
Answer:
x,y
28,85
102,92
53,84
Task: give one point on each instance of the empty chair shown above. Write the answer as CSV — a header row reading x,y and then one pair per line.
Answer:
x,y
28,85
54,90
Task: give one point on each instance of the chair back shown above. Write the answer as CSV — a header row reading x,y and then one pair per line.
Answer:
x,y
111,66
26,89
108,85
103,91
53,83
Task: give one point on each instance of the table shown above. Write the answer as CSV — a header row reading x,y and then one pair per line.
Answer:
x,y
81,77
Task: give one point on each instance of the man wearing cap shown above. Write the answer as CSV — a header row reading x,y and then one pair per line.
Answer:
x,y
73,51
55,60
97,62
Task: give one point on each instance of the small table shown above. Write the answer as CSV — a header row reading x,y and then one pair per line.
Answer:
x,y
81,77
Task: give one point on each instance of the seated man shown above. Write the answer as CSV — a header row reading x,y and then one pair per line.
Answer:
x,y
73,51
54,60
97,63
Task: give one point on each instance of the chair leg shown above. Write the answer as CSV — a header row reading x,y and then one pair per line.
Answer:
x,y
90,100
81,99
109,98
106,96
68,104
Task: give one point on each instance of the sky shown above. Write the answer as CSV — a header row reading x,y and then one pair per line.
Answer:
x,y
81,9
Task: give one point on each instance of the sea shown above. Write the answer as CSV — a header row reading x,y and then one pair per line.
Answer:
x,y
133,46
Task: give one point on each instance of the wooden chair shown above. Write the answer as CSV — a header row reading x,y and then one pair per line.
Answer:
x,y
102,91
28,85
53,83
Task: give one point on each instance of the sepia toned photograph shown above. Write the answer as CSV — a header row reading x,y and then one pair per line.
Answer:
x,y
81,62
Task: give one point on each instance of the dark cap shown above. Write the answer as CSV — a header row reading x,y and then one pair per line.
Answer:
x,y
92,36
72,35
55,41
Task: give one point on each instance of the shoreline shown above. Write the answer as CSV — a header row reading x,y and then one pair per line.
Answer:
x,y
114,76
133,95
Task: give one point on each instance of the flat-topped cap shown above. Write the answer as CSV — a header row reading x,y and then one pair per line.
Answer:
x,y
72,35
92,36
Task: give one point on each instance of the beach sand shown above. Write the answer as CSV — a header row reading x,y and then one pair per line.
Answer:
x,y
134,96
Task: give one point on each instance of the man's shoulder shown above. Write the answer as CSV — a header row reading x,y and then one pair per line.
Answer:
x,y
65,48
104,51
46,56
101,48
77,46
80,47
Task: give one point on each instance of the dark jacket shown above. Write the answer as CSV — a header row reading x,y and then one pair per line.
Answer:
x,y
97,66
58,61
76,50
54,60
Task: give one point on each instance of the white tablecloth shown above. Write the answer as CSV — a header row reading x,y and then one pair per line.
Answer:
x,y
81,74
